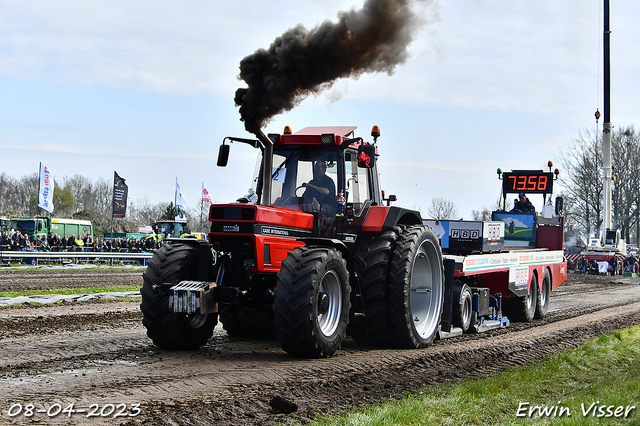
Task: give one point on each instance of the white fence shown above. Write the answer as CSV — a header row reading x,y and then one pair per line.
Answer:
x,y
32,257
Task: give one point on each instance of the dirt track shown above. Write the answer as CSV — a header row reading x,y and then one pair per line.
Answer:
x,y
98,353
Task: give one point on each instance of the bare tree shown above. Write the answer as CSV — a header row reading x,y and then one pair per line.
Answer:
x,y
442,209
10,202
582,180
27,193
143,212
82,190
102,197
625,147
485,212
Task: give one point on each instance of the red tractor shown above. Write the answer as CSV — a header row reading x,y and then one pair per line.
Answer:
x,y
320,254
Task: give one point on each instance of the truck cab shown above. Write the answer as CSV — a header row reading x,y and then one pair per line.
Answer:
x,y
33,226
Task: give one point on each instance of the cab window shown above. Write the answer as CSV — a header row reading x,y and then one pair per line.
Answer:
x,y
357,185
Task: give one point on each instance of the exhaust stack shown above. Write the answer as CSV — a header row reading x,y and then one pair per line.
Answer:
x,y
267,166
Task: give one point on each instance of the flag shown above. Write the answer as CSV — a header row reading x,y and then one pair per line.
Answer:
x,y
45,193
181,205
205,194
120,190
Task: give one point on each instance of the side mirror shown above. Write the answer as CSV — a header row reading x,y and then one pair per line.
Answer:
x,y
366,156
223,155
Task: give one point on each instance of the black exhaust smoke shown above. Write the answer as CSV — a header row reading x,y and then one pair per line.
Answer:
x,y
301,62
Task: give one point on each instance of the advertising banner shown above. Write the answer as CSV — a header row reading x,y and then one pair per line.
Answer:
x,y
120,191
45,193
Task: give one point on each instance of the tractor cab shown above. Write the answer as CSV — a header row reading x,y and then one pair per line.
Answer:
x,y
169,228
324,171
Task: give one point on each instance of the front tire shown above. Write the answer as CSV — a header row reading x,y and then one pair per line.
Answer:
x,y
416,287
312,301
170,264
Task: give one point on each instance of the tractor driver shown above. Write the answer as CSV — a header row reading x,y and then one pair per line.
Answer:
x,y
321,187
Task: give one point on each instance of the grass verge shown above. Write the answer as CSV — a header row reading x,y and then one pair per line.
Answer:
x,y
66,291
582,386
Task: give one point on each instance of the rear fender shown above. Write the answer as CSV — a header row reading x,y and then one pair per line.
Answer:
x,y
381,218
338,245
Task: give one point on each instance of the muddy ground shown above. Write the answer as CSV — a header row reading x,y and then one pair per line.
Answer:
x,y
93,354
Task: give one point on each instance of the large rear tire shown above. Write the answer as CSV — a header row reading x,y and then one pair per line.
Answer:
x,y
311,307
542,300
371,258
416,287
172,263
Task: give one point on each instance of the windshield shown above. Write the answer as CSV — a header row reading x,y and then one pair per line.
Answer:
x,y
175,229
305,179
22,225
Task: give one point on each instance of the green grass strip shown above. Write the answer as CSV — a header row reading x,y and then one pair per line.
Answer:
x,y
582,386
66,291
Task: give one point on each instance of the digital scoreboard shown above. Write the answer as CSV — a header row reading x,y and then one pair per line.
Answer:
x,y
529,182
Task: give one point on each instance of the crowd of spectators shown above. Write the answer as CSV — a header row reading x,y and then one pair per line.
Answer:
x,y
15,241
615,266
19,241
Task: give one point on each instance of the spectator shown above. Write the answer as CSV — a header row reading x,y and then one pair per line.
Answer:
x,y
613,264
71,242
630,264
44,244
51,240
23,242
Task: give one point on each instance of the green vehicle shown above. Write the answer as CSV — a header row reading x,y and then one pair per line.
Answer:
x,y
41,226
171,228
4,224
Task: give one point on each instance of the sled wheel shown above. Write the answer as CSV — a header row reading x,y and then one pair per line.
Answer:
x,y
311,307
542,301
416,281
462,307
172,263
371,258
523,308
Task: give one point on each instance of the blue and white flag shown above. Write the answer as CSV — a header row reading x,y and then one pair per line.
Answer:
x,y
45,196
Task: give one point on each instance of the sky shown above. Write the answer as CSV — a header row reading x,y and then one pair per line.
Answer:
x,y
147,89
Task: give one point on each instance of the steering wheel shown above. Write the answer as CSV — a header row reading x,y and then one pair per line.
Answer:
x,y
296,191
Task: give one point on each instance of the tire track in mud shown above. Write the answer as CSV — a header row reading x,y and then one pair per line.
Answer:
x,y
377,375
98,353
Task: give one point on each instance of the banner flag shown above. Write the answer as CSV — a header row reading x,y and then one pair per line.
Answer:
x,y
120,191
205,194
45,193
181,205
